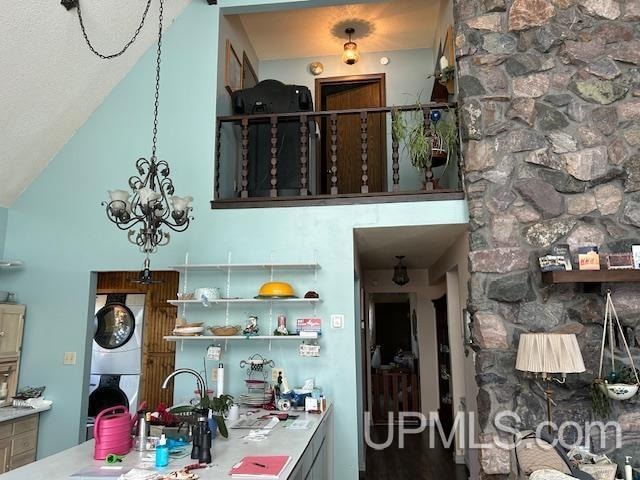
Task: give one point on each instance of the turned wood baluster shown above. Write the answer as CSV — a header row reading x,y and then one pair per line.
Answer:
x,y
395,153
216,187
244,193
364,146
428,172
334,154
274,156
304,155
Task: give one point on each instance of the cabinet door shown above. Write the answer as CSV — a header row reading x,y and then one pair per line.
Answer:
x,y
11,324
5,447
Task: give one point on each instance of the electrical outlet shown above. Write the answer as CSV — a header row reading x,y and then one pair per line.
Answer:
x,y
337,321
275,372
69,358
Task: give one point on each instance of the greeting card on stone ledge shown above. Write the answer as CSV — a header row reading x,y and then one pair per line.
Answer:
x,y
588,258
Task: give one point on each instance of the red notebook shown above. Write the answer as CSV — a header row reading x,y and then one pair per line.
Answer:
x,y
260,467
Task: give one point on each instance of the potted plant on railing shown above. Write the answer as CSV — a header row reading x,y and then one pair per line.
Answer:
x,y
218,405
429,143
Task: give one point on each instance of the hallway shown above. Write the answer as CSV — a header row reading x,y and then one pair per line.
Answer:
x,y
415,461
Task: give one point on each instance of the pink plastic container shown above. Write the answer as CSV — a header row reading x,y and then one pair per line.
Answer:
x,y
112,432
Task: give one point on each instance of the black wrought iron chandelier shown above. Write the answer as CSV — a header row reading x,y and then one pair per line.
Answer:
x,y
400,276
153,210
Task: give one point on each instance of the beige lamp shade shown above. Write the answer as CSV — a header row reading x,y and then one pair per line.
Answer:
x,y
549,353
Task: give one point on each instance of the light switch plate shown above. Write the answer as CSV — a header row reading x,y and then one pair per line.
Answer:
x,y
337,321
69,358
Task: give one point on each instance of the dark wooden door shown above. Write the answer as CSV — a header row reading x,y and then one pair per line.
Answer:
x,y
348,96
445,411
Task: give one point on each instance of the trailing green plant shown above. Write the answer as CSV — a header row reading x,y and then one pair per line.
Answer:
x,y
409,127
626,375
218,405
600,398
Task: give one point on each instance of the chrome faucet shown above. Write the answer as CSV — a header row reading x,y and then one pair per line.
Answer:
x,y
199,379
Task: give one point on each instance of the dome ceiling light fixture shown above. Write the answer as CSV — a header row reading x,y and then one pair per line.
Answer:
x,y
400,276
350,55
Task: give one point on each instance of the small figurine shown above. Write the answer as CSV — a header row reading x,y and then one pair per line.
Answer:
x,y
252,326
282,325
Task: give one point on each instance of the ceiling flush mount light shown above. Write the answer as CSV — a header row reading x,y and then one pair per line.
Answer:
x,y
350,55
151,209
400,276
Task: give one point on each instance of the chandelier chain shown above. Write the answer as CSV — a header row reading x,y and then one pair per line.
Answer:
x,y
157,94
127,45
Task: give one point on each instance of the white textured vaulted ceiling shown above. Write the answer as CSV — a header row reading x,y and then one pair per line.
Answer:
x,y
50,82
396,25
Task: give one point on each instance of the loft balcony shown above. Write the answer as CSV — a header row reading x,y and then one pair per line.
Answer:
x,y
329,157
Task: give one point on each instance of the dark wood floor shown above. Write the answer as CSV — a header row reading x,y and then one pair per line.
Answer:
x,y
417,460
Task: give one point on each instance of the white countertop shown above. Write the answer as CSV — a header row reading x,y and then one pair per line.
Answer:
x,y
225,453
11,413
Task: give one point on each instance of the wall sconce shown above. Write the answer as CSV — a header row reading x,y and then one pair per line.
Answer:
x,y
400,276
350,54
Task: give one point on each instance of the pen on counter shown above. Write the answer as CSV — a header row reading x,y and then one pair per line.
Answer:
x,y
259,464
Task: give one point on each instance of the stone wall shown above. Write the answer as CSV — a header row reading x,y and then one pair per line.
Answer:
x,y
550,104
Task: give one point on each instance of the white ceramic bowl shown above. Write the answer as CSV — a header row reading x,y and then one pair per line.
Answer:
x,y
210,293
621,391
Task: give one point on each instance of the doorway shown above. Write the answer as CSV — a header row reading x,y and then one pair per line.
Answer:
x,y
395,384
346,93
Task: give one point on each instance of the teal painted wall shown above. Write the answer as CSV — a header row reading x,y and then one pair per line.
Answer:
x,y
4,214
61,247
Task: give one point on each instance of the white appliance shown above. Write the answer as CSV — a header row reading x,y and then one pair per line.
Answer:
x,y
110,390
117,342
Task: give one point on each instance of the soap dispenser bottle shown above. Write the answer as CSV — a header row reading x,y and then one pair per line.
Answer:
x,y
628,471
162,452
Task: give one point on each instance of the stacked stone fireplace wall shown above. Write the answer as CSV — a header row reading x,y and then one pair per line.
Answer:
x,y
550,106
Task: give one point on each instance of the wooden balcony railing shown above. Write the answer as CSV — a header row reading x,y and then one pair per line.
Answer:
x,y
250,169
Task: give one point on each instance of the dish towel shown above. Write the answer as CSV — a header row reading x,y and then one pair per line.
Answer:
x,y
139,474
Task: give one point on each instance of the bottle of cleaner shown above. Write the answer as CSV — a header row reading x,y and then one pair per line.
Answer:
x,y
628,471
162,452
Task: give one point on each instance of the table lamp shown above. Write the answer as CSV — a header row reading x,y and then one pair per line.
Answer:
x,y
548,354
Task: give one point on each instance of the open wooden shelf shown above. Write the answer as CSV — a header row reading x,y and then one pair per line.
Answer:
x,y
246,266
591,276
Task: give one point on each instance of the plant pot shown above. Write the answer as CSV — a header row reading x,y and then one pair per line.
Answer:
x,y
621,391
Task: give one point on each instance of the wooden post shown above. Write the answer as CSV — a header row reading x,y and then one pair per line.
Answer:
x,y
274,156
334,154
216,187
244,193
428,172
395,154
304,156
364,146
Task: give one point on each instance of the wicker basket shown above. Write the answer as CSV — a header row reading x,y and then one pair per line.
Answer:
x,y
601,471
225,331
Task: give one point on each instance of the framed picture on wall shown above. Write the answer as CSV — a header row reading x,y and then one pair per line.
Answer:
x,y
232,70
249,77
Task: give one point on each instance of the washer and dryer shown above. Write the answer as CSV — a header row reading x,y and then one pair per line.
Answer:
x,y
116,359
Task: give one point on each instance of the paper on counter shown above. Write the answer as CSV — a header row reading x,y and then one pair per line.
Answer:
x,y
300,424
139,474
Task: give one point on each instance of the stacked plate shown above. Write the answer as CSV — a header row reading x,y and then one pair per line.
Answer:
x,y
255,399
188,331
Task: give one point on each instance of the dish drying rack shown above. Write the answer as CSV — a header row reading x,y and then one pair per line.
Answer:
x,y
258,389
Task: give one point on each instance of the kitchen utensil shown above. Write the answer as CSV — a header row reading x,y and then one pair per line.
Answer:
x,y
276,290
210,293
112,432
225,331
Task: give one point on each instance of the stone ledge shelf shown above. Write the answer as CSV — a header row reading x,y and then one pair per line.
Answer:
x,y
591,276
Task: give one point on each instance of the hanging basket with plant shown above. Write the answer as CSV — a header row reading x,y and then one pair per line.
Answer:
x,y
619,384
430,137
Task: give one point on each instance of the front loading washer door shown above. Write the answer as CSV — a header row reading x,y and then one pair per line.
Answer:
x,y
115,325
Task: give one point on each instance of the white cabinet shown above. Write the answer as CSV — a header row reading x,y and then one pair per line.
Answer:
x,y
316,463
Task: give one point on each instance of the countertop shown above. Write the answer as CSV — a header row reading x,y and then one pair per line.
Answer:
x,y
225,453
11,413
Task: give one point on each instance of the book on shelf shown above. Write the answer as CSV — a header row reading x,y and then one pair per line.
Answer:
x,y
270,466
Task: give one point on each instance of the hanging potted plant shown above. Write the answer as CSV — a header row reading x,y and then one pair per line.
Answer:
x,y
619,384
428,144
